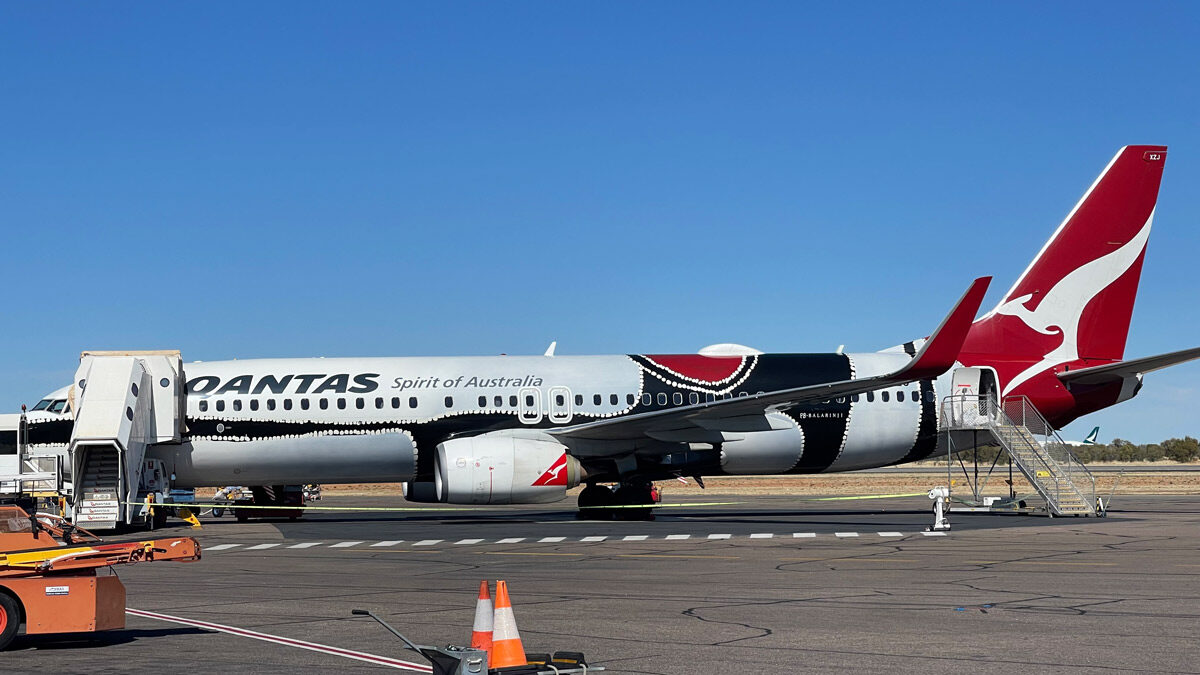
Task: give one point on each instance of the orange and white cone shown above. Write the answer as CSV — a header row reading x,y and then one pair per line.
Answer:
x,y
506,641
481,633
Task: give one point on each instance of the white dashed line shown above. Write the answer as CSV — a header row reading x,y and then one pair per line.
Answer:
x,y
467,541
387,543
428,542
261,547
551,540
591,540
845,534
678,537
307,544
890,534
511,540
719,536
221,547
635,537
934,534
762,535
804,535
345,544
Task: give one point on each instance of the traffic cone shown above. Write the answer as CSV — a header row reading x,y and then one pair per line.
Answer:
x,y
481,633
506,642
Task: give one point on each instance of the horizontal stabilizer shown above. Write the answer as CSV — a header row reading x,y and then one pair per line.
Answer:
x,y
1114,372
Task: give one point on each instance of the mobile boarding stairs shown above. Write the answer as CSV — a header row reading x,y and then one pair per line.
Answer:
x,y
972,421
122,404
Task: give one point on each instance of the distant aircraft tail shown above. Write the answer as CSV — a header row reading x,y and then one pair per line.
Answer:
x,y
1072,305
1091,438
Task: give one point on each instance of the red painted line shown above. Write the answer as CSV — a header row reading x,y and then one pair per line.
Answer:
x,y
288,642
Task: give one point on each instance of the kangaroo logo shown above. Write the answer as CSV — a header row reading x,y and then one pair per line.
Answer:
x,y
1061,308
555,475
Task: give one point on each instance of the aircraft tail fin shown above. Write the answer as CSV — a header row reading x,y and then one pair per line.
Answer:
x,y
1091,438
1075,299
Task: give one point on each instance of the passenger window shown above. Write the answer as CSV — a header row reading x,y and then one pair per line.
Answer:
x,y
870,397
662,399
287,404
647,399
237,404
884,396
677,398
578,399
379,403
203,406
710,397
324,404
412,401
596,399
304,404
629,399
341,402
560,400
528,400
220,406
854,398
254,404
841,399
482,401
612,399
512,401
270,404
499,401
744,393
900,396
449,401
395,403
929,397
693,398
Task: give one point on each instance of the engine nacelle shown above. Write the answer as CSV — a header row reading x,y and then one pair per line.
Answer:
x,y
501,469
775,448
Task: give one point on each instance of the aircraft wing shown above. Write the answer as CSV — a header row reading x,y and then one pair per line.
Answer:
x,y
935,357
1116,372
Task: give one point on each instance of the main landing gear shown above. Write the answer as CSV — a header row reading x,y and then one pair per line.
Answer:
x,y
594,498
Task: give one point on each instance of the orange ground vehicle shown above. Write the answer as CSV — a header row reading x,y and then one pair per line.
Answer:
x,y
49,579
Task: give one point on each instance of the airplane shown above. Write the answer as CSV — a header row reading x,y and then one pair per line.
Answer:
x,y
1090,439
525,429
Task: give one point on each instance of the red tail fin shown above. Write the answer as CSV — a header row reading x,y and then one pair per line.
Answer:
x,y
1074,301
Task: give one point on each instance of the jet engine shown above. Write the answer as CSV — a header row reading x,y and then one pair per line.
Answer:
x,y
774,448
502,469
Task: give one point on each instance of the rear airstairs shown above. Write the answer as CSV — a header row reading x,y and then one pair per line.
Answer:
x,y
971,421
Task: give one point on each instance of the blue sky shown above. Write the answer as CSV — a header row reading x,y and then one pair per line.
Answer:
x,y
338,179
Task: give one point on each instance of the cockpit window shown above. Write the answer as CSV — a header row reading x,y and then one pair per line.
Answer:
x,y
58,405
42,404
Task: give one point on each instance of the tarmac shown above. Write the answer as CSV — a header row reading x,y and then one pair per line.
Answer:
x,y
763,585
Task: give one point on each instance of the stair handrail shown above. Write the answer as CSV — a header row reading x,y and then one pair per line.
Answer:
x,y
1056,448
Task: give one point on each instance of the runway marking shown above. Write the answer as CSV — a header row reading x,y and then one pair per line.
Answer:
x,y
345,544
719,536
592,539
428,542
804,535
307,544
467,541
511,540
261,547
1038,562
762,535
664,555
934,534
527,553
551,540
845,534
387,543
678,537
890,534
220,547
287,642
636,537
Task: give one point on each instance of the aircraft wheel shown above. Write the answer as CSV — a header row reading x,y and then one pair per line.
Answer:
x,y
595,495
10,619
635,495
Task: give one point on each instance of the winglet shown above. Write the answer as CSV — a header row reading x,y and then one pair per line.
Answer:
x,y
940,351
